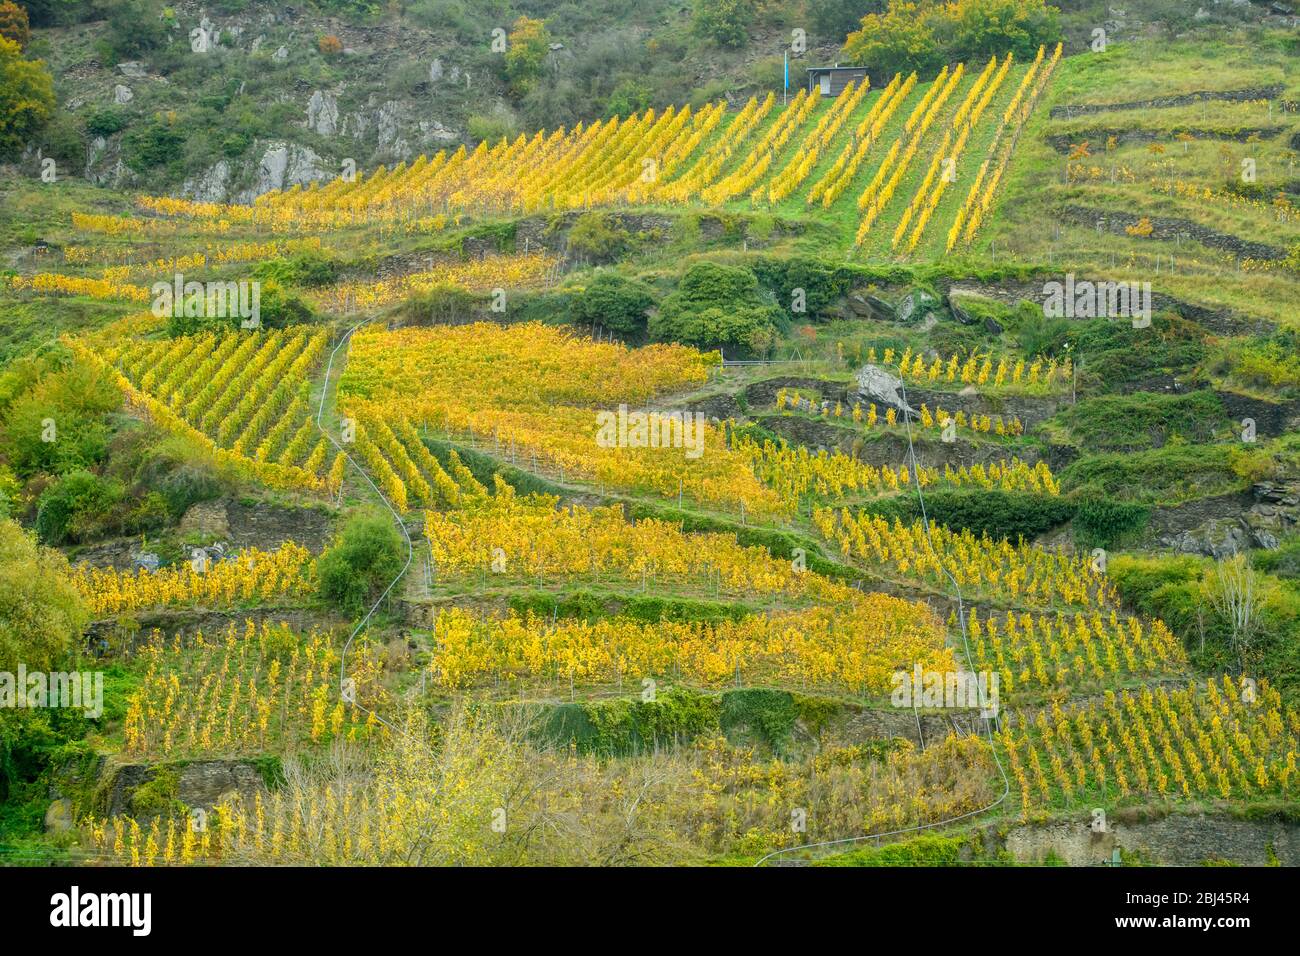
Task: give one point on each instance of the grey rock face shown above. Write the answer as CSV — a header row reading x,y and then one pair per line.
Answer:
x,y
284,165
323,113
211,186
122,94
879,386
1217,538
916,305
868,306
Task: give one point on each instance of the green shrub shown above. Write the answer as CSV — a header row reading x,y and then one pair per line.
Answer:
x,y
1113,356
1284,561
769,713
918,851
595,237
366,558
716,305
73,507
492,127
152,145
624,726
1104,523
822,282
722,22
582,605
134,28
616,303
629,97
911,36
106,121
307,268
58,422
999,514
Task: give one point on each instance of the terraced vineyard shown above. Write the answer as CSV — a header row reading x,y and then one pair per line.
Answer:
x,y
793,476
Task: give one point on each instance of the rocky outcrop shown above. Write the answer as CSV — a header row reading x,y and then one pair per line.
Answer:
x,y
865,305
200,784
323,114
1208,526
1275,513
881,387
916,306
282,165
1222,525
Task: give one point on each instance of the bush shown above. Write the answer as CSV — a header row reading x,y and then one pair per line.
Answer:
x,y
185,486
75,507
44,614
64,139
329,45
833,20
716,305
26,98
14,24
48,13
308,268
368,556
439,303
722,22
595,237
526,51
1284,561
999,514
1166,475
491,128
616,303
822,282
60,424
1116,356
922,36
624,727
277,309
106,122
629,97
1104,523
134,28
770,714
155,144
